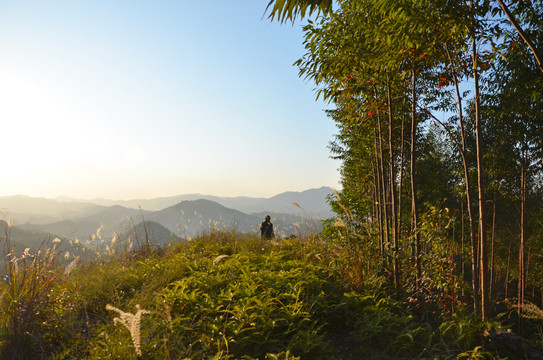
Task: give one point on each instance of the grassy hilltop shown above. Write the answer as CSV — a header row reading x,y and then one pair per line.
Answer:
x,y
220,296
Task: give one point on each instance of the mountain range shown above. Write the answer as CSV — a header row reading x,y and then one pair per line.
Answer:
x,y
166,218
312,202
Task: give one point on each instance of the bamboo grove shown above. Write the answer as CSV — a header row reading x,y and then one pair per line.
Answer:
x,y
439,113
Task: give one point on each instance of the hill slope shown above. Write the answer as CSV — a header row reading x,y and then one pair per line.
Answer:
x,y
191,218
21,238
256,300
150,231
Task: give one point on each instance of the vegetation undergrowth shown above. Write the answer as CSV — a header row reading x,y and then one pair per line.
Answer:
x,y
222,296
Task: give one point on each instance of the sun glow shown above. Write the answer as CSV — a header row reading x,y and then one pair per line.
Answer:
x,y
99,106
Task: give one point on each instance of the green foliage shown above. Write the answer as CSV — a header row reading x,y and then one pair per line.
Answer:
x,y
227,297
438,292
476,354
382,326
285,10
463,332
354,251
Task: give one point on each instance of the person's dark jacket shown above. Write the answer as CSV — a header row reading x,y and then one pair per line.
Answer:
x,y
266,230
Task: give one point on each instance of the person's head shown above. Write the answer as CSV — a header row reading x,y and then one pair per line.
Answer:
x,y
267,218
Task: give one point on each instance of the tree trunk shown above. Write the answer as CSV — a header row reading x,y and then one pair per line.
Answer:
x,y
473,237
483,261
394,221
378,198
400,178
507,274
469,199
462,242
492,246
383,187
414,199
521,261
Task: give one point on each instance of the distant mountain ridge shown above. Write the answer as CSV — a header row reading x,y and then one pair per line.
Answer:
x,y
24,208
311,202
306,203
291,212
164,202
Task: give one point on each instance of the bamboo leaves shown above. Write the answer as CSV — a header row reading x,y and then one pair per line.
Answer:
x,y
285,10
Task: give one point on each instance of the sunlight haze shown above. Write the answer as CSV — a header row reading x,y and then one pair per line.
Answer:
x,y
139,99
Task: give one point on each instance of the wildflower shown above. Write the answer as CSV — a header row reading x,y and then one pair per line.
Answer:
x,y
71,266
340,223
219,258
131,322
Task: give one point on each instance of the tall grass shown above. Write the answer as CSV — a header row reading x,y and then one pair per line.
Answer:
x,y
25,297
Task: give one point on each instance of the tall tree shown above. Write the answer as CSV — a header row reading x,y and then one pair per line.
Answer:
x,y
483,262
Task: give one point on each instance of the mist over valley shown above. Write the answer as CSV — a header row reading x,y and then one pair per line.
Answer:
x,y
159,220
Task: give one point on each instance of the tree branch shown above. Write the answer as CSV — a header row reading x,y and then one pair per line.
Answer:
x,y
523,35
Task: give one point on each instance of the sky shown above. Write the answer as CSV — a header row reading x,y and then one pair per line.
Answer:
x,y
140,99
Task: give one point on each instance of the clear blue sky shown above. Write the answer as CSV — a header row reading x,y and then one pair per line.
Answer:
x,y
138,99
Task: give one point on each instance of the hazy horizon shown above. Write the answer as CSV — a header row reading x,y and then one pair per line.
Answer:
x,y
133,99
64,197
